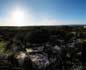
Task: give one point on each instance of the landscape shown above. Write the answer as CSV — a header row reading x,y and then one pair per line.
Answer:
x,y
43,48
42,34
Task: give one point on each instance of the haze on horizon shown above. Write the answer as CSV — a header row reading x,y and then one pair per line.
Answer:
x,y
42,12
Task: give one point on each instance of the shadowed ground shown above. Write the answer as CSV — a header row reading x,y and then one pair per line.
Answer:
x,y
42,48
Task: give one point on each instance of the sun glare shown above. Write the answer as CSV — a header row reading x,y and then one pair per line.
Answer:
x,y
18,17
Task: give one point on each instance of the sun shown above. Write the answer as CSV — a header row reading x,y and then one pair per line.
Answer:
x,y
18,17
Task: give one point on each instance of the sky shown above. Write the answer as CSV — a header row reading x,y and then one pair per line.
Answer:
x,y
42,12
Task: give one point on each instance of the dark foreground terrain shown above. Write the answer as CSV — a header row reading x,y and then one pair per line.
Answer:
x,y
43,48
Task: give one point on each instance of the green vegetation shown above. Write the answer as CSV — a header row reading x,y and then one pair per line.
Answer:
x,y
2,47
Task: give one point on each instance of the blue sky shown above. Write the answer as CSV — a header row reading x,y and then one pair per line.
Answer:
x,y
51,12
